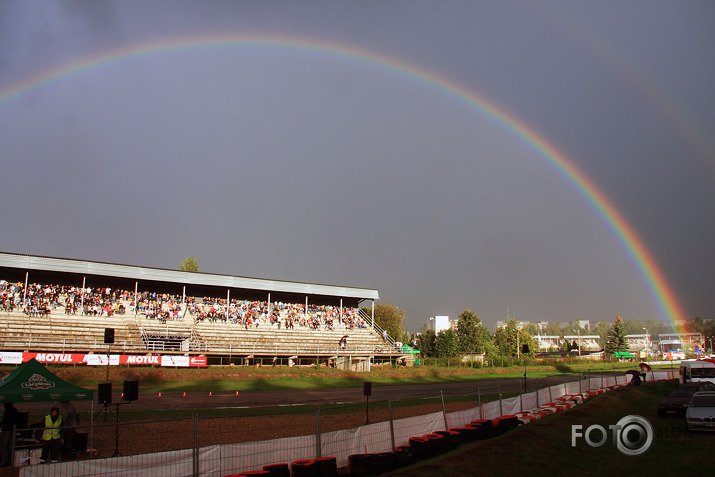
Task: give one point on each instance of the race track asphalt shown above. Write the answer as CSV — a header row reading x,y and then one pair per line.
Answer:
x,y
288,397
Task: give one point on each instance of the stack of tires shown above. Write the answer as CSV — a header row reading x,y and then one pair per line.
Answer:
x,y
423,447
304,468
278,470
321,467
483,429
327,466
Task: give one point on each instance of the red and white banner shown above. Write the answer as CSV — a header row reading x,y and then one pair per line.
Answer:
x,y
101,359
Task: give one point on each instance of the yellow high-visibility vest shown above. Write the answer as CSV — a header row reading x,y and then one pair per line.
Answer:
x,y
52,429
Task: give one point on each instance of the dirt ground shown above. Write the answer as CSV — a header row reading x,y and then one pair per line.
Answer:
x,y
148,437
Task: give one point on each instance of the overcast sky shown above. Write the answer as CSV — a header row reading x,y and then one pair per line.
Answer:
x,y
288,161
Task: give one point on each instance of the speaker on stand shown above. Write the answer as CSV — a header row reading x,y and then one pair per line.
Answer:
x,y
131,390
104,393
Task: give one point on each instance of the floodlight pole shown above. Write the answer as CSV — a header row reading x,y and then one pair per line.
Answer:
x,y
367,409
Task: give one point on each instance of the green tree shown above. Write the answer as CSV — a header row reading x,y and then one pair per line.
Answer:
x,y
189,265
446,344
509,340
425,341
525,339
472,335
390,318
505,339
601,330
616,337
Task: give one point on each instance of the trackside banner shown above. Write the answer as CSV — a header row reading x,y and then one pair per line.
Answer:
x,y
103,359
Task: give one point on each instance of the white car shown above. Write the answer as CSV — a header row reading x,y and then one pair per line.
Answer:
x,y
700,415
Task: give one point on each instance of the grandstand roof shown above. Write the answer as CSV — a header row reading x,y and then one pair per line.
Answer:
x,y
159,275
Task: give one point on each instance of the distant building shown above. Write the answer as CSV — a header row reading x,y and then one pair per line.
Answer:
x,y
440,323
691,342
585,342
637,343
546,342
519,324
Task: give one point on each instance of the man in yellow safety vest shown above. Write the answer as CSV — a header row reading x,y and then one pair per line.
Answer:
x,y
51,436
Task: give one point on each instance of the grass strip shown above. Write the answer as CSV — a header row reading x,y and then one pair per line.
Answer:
x,y
544,447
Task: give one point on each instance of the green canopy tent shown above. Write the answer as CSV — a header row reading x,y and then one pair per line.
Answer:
x,y
32,382
414,352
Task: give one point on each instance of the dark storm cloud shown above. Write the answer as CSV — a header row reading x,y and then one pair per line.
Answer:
x,y
302,165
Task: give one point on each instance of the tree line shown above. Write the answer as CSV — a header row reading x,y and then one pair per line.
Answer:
x,y
471,336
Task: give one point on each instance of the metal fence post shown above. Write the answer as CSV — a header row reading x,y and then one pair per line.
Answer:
x,y
444,411
479,397
392,423
537,393
196,445
501,405
317,432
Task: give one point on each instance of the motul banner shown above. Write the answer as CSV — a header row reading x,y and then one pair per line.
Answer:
x,y
101,359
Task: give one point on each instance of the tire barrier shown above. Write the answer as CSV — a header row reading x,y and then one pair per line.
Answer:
x,y
508,423
420,447
386,461
254,473
363,465
485,428
451,437
466,433
404,456
437,443
327,466
304,468
278,470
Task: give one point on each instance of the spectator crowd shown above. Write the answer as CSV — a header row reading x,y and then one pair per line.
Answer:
x,y
43,299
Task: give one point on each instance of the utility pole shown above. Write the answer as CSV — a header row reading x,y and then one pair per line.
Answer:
x,y
518,346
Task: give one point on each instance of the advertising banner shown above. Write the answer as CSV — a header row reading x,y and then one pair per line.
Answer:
x,y
101,359
10,358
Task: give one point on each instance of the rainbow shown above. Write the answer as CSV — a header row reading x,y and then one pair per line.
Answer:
x,y
650,271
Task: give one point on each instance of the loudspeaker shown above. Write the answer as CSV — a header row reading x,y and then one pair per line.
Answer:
x,y
131,390
108,335
367,388
104,393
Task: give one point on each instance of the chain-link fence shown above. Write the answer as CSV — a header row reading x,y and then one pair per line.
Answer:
x,y
230,444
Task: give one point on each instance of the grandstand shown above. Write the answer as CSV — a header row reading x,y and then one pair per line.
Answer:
x,y
53,305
